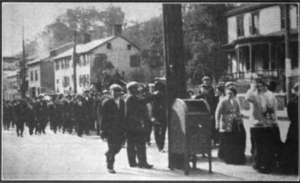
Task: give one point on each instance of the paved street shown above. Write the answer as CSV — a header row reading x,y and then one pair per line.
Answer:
x,y
68,157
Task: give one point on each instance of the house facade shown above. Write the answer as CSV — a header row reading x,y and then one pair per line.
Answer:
x,y
256,43
40,74
10,85
93,57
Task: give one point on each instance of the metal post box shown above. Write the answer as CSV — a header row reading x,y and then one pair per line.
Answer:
x,y
190,130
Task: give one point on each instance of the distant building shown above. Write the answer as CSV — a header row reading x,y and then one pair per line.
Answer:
x,y
10,63
93,58
256,43
10,85
41,76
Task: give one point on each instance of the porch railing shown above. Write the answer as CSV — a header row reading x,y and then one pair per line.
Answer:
x,y
250,75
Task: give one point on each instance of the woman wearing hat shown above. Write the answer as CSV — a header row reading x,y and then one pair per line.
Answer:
x,y
289,157
232,131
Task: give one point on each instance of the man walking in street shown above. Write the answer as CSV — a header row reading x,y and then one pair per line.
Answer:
x,y
135,121
112,125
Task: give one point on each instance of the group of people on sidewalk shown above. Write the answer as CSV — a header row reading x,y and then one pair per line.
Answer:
x,y
130,117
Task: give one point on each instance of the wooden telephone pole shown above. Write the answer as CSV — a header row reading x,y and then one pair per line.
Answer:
x,y
174,65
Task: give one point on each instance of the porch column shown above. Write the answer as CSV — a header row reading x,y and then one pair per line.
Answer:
x,y
250,57
237,62
270,56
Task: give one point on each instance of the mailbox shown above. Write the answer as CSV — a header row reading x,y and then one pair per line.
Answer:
x,y
190,130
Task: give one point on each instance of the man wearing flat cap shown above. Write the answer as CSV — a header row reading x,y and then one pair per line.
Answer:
x,y
79,114
135,122
113,125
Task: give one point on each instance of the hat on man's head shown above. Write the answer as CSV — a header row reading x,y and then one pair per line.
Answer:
x,y
205,78
131,85
105,92
230,83
78,96
115,87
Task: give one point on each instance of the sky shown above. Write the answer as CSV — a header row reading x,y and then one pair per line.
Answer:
x,y
36,16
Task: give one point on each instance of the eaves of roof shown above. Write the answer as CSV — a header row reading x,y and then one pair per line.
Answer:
x,y
247,8
85,48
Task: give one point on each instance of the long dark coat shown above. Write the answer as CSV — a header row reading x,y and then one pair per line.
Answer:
x,y
113,118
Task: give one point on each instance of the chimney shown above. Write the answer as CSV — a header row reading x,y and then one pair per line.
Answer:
x,y
86,38
117,29
53,53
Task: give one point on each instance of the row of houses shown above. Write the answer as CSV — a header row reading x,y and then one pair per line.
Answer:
x,y
255,48
55,72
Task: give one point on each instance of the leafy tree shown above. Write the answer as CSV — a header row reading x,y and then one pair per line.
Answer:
x,y
205,29
83,20
149,37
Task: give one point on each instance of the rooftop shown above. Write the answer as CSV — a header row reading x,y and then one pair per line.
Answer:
x,y
247,8
83,48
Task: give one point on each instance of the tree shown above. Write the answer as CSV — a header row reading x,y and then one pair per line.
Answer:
x,y
83,20
149,37
205,29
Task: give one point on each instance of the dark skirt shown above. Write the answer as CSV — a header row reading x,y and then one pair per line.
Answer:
x,y
233,145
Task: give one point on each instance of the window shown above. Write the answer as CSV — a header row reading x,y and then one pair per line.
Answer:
x,y
240,26
100,60
87,58
108,45
66,81
31,76
57,81
62,64
128,47
254,24
134,61
36,75
57,65
80,80
88,79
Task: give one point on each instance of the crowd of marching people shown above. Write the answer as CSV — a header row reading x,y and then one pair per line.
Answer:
x,y
65,113
130,114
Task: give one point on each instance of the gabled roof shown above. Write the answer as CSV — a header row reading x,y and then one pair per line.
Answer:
x,y
84,48
247,8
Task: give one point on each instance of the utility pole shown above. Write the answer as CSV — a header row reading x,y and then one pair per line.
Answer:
x,y
23,69
174,65
288,69
75,63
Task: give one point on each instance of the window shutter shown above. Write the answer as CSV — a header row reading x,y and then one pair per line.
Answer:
x,y
251,25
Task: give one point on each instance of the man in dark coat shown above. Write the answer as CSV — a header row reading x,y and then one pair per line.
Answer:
x,y
6,115
31,123
19,114
67,116
159,112
37,107
113,125
51,115
204,94
44,116
135,119
79,114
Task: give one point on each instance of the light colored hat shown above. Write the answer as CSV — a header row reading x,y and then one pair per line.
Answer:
x,y
105,91
230,83
48,98
132,84
205,78
115,87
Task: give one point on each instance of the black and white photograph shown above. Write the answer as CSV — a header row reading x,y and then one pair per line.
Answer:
x,y
150,91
